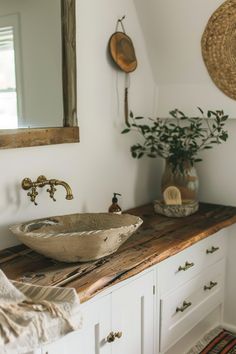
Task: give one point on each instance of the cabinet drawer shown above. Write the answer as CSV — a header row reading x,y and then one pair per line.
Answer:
x,y
185,265
182,309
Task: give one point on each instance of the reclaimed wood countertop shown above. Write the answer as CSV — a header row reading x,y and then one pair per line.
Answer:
x,y
157,239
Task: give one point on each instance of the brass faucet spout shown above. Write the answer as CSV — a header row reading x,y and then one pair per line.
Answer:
x,y
68,189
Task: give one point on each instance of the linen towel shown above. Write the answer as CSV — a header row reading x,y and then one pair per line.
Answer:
x,y
32,315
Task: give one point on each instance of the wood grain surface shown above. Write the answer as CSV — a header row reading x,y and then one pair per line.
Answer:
x,y
16,138
157,239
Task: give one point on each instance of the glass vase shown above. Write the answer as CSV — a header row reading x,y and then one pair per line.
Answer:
x,y
185,179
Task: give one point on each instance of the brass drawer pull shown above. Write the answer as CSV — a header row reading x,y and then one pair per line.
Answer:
x,y
112,336
184,306
186,266
211,285
212,250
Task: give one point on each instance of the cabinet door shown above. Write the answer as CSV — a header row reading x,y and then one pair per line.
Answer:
x,y
133,315
55,347
91,339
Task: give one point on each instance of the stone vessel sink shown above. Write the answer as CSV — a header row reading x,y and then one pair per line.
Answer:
x,y
77,237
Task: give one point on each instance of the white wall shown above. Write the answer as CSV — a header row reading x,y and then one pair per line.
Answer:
x,y
173,31
101,163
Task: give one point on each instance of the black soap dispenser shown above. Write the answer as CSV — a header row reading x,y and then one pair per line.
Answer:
x,y
115,208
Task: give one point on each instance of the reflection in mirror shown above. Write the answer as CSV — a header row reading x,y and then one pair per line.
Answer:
x,y
8,97
38,99
30,64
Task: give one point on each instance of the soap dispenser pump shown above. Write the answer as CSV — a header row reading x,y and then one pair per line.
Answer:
x,y
115,208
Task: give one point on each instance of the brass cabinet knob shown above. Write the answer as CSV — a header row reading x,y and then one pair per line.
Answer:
x,y
112,336
212,250
184,306
211,285
186,266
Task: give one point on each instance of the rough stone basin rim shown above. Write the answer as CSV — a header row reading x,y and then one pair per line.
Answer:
x,y
77,237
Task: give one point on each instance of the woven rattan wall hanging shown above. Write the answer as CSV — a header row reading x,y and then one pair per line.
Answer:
x,y
219,47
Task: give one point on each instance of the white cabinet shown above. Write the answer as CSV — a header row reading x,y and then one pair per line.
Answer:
x,y
131,319
55,347
191,285
120,322
183,308
91,338
133,315
182,267
97,323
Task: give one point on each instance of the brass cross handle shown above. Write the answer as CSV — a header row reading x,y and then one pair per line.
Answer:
x,y
51,192
33,194
186,266
112,336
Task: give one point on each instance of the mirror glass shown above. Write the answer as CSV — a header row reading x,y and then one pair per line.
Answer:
x,y
30,64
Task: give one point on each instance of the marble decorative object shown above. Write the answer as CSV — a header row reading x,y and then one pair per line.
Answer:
x,y
176,211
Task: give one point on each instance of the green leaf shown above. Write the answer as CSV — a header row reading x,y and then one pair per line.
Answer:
x,y
180,140
125,131
200,110
173,113
140,155
212,113
223,136
224,118
181,113
131,114
151,155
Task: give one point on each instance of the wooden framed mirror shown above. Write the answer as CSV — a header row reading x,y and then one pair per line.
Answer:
x,y
12,38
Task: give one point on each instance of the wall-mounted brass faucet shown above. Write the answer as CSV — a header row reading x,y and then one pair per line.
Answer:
x,y
42,181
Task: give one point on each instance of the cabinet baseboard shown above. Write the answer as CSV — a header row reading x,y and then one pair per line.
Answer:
x,y
229,327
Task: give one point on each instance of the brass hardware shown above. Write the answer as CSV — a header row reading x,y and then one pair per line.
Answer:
x,y
69,194
184,306
51,192
42,181
212,250
26,184
33,194
112,336
210,286
186,266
